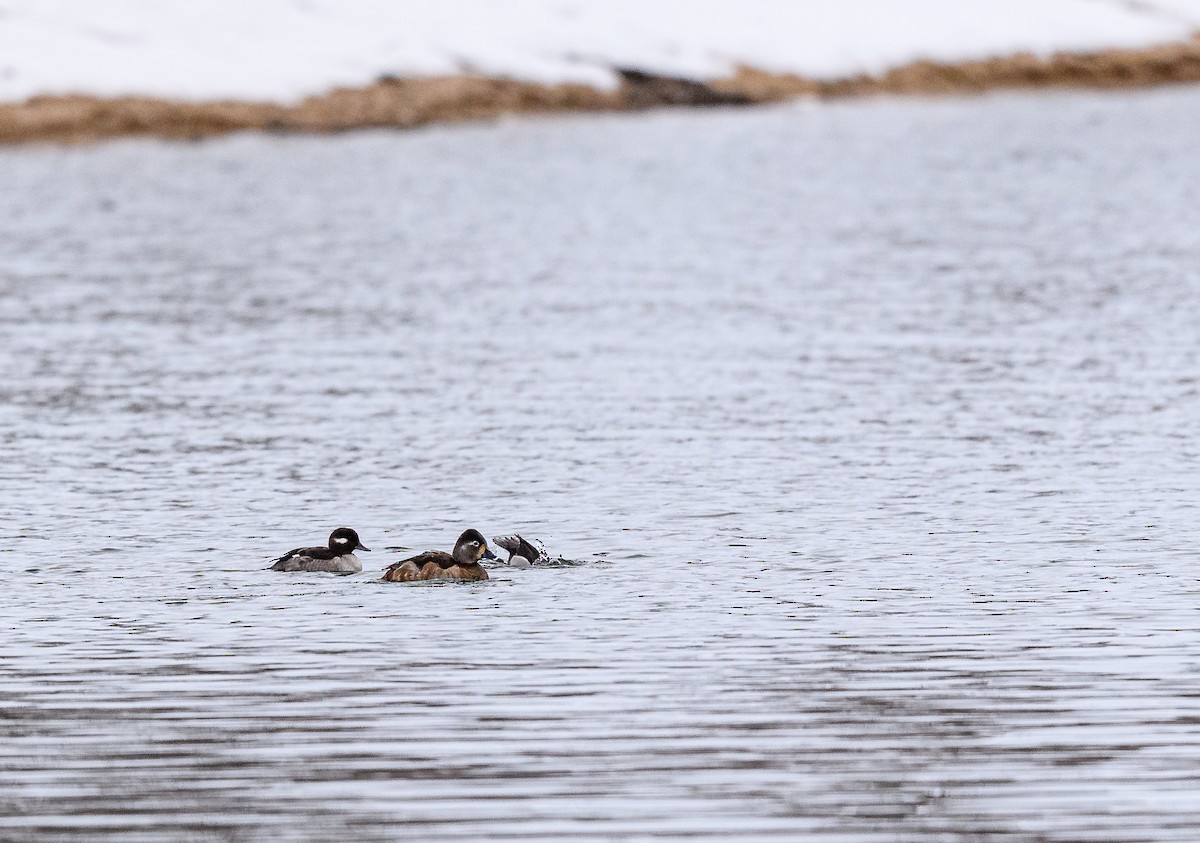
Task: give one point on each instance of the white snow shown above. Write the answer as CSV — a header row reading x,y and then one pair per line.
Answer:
x,y
285,49
1185,11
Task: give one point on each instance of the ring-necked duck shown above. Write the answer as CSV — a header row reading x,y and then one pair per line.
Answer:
x,y
462,564
338,558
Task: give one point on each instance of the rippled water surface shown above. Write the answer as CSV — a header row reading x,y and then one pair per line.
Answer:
x,y
873,428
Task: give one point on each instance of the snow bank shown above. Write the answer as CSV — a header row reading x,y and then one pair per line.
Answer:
x,y
282,50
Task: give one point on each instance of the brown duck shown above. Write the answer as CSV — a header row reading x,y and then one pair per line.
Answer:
x,y
462,564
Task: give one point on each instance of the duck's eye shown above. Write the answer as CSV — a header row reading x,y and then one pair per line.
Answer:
x,y
474,544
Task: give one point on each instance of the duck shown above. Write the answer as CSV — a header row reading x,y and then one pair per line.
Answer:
x,y
462,564
337,558
521,554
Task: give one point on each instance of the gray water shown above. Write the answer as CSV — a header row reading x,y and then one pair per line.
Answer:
x,y
872,429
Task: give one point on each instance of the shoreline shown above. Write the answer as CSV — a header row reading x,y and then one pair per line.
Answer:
x,y
406,103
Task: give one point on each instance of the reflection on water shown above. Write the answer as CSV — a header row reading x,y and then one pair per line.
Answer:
x,y
876,424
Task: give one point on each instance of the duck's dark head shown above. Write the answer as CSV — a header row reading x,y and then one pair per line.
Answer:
x,y
471,547
344,540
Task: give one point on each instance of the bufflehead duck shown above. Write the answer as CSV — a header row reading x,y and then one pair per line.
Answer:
x,y
463,564
338,558
521,554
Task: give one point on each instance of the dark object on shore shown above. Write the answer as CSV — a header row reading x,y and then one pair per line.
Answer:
x,y
640,89
337,558
521,554
462,564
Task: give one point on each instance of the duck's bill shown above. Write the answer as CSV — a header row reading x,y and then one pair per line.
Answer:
x,y
487,553
364,547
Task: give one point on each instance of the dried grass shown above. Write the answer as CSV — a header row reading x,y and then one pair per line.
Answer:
x,y
406,103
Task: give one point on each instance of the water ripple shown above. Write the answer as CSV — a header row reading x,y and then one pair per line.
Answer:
x,y
869,428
